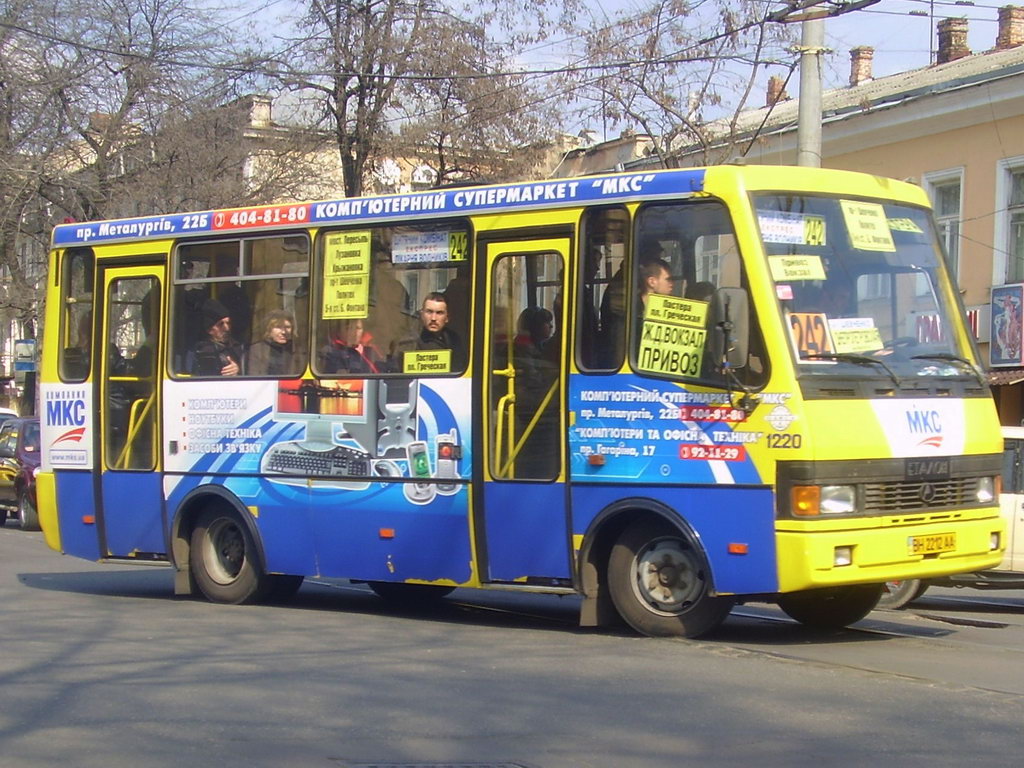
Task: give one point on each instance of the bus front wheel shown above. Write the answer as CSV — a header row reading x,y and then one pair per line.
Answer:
x,y
831,607
659,583
223,559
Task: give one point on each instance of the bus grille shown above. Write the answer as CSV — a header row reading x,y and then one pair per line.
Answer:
x,y
901,496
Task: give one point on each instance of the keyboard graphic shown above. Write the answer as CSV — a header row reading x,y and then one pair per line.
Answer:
x,y
295,461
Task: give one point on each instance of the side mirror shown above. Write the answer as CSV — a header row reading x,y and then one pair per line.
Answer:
x,y
6,453
730,326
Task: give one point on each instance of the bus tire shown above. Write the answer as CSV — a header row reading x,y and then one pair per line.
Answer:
x,y
659,583
897,594
409,594
3,517
223,559
28,518
831,607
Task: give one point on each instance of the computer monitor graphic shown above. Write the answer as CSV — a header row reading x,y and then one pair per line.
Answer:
x,y
332,409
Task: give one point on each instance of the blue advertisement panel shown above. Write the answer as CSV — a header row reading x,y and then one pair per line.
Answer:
x,y
642,430
343,477
452,202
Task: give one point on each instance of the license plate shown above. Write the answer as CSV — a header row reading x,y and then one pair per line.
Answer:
x,y
932,543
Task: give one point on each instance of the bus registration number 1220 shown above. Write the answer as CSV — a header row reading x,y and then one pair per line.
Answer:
x,y
932,543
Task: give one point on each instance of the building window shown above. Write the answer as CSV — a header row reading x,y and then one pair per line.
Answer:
x,y
1015,225
945,190
1008,234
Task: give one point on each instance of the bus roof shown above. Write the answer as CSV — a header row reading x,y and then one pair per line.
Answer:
x,y
453,201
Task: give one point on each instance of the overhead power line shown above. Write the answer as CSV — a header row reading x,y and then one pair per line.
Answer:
x,y
263,67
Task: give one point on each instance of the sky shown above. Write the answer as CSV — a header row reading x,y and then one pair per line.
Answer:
x,y
902,41
902,33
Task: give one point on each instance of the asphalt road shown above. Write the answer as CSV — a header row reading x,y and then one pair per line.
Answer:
x,y
101,666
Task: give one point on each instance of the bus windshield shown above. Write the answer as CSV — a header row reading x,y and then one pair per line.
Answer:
x,y
863,288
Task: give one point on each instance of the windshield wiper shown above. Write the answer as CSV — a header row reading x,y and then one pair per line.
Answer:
x,y
846,357
964,363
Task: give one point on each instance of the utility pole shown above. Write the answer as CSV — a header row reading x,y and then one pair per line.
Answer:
x,y
812,14
808,135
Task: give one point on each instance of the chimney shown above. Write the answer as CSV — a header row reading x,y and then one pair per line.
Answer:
x,y
1011,27
259,111
952,40
776,91
860,64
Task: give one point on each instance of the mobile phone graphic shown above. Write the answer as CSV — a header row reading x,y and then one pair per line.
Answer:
x,y
421,491
419,460
447,462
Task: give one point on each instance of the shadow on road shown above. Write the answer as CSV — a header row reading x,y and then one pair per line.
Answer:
x,y
754,623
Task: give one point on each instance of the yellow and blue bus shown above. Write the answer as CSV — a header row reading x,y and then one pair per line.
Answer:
x,y
666,392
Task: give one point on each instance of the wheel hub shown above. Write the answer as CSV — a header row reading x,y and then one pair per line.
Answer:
x,y
667,577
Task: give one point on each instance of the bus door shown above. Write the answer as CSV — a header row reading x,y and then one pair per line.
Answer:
x,y
130,516
525,504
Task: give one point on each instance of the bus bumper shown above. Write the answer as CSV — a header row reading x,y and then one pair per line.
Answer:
x,y
46,505
898,548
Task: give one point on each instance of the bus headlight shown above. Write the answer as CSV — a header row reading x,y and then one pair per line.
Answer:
x,y
815,500
838,500
986,490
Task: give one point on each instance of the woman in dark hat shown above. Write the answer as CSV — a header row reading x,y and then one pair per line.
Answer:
x,y
218,354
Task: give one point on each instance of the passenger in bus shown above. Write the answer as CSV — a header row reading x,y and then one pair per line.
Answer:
x,y
218,354
701,291
655,277
233,296
456,296
435,333
348,351
836,300
391,316
78,357
276,354
536,365
188,312
142,364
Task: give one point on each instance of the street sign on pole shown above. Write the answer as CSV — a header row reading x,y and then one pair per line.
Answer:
x,y
24,355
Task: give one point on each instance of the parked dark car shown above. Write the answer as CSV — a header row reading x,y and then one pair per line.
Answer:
x,y
19,462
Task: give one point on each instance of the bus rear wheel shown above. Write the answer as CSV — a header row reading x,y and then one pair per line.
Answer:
x,y
831,607
659,583
223,559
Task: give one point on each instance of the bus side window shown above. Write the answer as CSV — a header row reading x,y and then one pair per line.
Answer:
x,y
78,271
696,241
600,315
260,285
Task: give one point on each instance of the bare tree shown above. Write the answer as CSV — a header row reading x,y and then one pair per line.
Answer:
x,y
374,69
682,72
113,108
30,132
476,118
